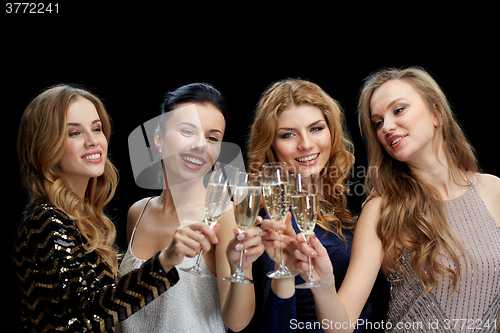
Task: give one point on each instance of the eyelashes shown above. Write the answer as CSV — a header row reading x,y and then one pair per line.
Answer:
x,y
74,133
397,111
290,134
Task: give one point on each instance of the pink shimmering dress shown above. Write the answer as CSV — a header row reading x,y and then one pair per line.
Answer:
x,y
475,307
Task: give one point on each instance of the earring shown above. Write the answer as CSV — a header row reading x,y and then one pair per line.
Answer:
x,y
160,150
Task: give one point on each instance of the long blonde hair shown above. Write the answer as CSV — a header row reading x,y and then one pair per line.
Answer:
x,y
42,136
334,215
407,199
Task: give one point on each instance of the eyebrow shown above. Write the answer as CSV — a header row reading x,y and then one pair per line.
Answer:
x,y
395,101
291,129
78,124
194,126
390,105
215,130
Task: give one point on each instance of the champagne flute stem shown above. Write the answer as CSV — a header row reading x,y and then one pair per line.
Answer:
x,y
240,269
310,268
282,261
199,258
201,252
310,278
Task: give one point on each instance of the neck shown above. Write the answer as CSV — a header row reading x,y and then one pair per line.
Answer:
x,y
183,196
436,170
78,186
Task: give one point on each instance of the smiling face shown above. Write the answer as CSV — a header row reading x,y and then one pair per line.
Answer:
x,y
191,141
86,145
302,139
405,126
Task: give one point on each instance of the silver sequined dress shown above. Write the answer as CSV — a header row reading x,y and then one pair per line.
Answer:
x,y
476,305
192,305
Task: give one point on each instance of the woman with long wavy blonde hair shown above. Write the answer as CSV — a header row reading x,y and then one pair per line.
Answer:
x,y
298,123
431,223
65,255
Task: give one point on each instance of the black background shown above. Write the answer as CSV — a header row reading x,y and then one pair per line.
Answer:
x,y
131,55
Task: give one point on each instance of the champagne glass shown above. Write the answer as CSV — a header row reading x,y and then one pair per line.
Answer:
x,y
304,202
219,188
275,188
246,197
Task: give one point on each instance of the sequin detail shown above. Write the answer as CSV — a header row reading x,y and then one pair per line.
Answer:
x,y
66,288
475,307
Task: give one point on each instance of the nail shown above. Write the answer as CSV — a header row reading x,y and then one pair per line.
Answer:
x,y
239,247
241,237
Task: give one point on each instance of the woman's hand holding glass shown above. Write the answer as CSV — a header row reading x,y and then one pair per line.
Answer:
x,y
246,195
305,203
250,242
188,241
321,268
280,237
275,188
217,198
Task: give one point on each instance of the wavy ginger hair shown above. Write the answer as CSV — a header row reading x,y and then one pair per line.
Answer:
x,y
334,215
42,136
406,199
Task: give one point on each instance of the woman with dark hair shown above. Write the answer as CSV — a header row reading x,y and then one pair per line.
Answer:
x,y
65,254
188,138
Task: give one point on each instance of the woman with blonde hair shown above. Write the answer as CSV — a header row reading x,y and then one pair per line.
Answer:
x,y
65,255
431,223
298,123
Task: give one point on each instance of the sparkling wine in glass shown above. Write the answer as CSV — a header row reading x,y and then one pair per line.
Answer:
x,y
246,197
304,202
216,202
275,188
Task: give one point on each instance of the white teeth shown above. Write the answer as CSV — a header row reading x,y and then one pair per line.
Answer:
x,y
396,140
192,160
92,157
307,158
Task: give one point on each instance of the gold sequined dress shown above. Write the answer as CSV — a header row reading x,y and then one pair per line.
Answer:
x,y
66,288
475,307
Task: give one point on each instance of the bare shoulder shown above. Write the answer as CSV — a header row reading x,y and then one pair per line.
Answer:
x,y
371,212
133,215
488,187
137,207
487,182
365,234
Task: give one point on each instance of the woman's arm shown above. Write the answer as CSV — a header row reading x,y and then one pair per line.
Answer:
x,y
62,280
237,299
345,306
